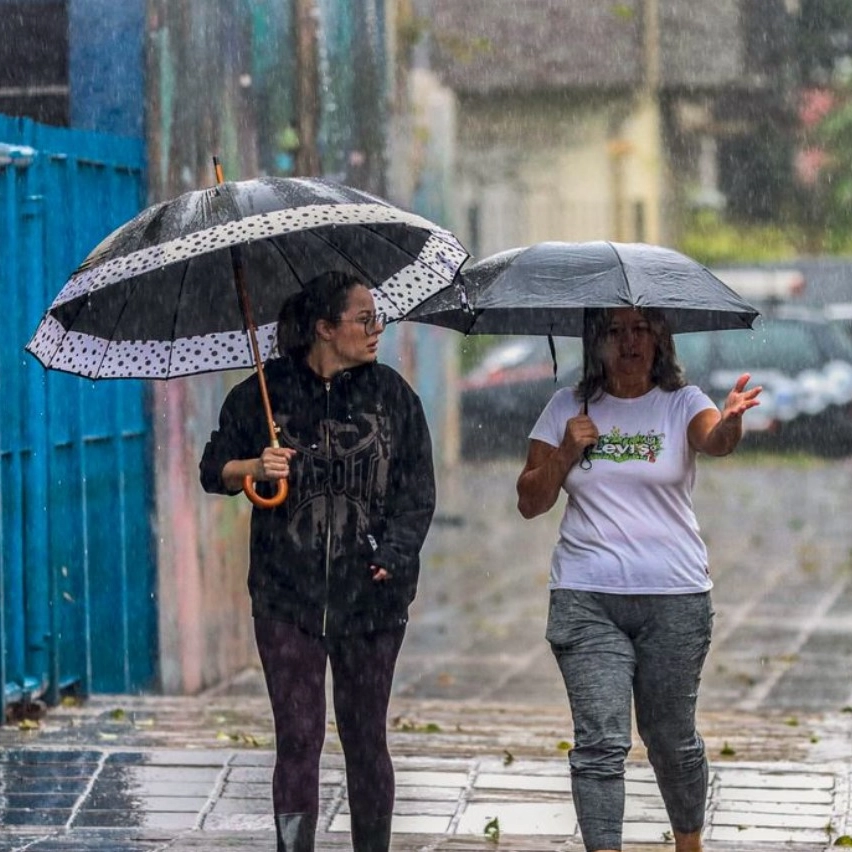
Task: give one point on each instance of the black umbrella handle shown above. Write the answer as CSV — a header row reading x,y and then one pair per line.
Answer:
x,y
585,461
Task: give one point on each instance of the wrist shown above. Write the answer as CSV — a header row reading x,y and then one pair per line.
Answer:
x,y
728,431
566,459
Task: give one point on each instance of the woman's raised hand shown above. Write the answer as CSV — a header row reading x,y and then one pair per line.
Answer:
x,y
740,400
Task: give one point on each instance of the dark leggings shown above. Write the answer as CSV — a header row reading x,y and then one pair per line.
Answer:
x,y
362,667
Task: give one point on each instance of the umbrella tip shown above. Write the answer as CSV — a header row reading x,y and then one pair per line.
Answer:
x,y
217,169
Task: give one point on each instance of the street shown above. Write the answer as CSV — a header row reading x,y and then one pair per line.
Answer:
x,y
780,540
479,727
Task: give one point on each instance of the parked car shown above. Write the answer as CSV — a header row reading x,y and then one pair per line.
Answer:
x,y
803,361
840,313
503,395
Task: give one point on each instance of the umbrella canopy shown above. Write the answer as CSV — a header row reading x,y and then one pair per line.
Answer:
x,y
545,288
157,299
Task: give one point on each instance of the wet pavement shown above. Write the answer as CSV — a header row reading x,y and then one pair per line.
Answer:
x,y
194,773
479,728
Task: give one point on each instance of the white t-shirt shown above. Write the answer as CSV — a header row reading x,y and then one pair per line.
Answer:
x,y
629,525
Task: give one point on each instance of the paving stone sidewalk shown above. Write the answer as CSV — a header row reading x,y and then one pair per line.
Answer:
x,y
153,774
478,723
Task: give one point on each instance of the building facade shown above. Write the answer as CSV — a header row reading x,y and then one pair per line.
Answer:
x,y
578,121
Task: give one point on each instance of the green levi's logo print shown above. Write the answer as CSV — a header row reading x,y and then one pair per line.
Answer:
x,y
621,448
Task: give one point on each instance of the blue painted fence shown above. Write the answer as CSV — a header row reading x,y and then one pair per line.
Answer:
x,y
77,576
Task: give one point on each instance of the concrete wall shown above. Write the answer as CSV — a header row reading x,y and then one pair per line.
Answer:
x,y
420,177
202,546
202,100
208,93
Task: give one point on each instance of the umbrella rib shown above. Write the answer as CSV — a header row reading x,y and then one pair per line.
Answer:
x,y
344,255
68,329
124,308
363,271
175,315
621,267
286,260
350,259
109,339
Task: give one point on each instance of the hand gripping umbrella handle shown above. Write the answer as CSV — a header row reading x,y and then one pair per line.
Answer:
x,y
248,482
265,502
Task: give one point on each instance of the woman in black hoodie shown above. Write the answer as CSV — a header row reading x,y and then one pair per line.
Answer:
x,y
334,568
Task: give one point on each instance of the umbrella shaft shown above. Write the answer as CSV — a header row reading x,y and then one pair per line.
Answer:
x,y
245,307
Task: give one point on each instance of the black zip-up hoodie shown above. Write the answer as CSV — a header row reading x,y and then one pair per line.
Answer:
x,y
361,492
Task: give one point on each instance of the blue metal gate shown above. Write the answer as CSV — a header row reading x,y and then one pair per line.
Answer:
x,y
77,577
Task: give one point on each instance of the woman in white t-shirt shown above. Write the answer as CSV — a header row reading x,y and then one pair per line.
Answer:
x,y
630,614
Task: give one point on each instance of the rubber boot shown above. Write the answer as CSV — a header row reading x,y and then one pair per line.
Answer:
x,y
296,832
371,835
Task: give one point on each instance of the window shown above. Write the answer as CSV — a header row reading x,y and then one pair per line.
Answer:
x,y
773,344
693,352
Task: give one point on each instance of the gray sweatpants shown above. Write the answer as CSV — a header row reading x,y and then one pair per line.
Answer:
x,y
649,647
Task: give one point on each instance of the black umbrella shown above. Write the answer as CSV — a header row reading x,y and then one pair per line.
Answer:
x,y
195,284
545,289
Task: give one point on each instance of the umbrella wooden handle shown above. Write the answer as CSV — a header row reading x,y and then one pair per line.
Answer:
x,y
265,502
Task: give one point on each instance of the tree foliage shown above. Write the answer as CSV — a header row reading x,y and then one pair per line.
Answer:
x,y
833,187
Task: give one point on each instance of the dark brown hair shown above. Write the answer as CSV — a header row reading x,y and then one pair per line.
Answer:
x,y
322,298
666,372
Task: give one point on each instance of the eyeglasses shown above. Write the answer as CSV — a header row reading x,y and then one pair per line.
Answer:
x,y
371,322
618,332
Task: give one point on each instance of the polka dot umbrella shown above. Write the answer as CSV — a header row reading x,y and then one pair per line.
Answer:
x,y
195,284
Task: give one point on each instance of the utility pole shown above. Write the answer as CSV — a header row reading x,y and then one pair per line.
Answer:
x,y
652,47
307,88
652,218
635,152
